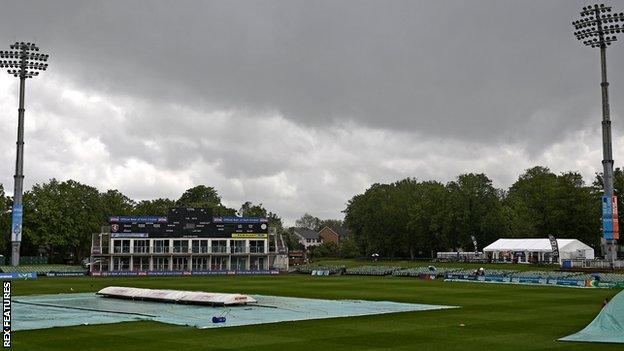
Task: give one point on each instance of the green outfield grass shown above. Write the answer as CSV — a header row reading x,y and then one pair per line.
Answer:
x,y
496,317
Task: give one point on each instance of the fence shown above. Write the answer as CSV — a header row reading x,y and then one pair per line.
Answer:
x,y
33,260
188,250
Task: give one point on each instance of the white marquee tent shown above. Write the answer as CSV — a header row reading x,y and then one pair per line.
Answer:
x,y
537,250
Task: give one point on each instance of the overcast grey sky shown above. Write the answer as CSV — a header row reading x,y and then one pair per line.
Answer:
x,y
300,105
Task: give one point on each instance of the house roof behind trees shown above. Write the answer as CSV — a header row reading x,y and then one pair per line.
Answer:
x,y
342,231
305,233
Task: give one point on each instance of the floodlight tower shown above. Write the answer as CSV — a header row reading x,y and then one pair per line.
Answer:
x,y
597,28
24,61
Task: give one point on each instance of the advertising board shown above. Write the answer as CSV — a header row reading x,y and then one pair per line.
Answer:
x,y
16,227
610,222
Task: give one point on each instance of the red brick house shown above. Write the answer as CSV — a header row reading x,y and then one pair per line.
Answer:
x,y
328,234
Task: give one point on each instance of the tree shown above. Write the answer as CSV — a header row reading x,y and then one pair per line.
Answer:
x,y
156,207
426,219
223,210
331,223
364,217
532,197
378,218
199,196
474,208
576,210
354,220
275,221
204,197
308,221
61,216
291,241
116,203
394,209
248,209
5,222
409,218
348,248
326,249
559,205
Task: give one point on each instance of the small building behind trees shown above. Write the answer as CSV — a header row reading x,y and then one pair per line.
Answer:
x,y
307,237
328,234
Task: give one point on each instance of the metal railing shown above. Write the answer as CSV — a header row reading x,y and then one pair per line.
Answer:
x,y
200,249
180,249
237,249
160,249
190,250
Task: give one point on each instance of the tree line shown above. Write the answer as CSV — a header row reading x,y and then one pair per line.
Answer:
x,y
407,218
60,216
411,218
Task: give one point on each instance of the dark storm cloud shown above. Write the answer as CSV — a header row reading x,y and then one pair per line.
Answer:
x,y
302,104
476,70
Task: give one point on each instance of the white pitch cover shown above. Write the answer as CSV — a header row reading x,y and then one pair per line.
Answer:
x,y
191,297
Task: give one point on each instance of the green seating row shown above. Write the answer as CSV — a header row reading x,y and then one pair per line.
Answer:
x,y
441,271
372,270
307,269
417,271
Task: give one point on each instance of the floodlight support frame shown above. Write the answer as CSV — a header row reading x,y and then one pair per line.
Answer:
x,y
27,64
602,42
607,148
19,171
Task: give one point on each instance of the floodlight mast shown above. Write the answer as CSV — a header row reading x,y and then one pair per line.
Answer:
x,y
595,29
25,62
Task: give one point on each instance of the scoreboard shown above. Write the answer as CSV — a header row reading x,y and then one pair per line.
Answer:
x,y
188,223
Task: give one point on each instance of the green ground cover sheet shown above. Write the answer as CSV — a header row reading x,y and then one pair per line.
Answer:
x,y
608,326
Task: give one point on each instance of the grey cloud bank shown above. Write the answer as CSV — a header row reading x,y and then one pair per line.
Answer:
x,y
301,105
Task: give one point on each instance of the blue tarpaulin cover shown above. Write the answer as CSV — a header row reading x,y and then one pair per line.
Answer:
x,y
47,311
